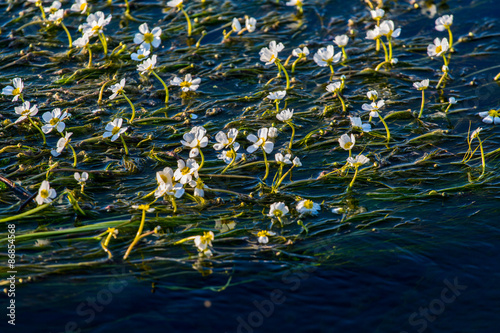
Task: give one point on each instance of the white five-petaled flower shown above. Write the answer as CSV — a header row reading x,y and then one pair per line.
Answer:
x,y
175,3
15,90
347,142
260,141
81,179
325,56
278,209
225,141
82,41
147,38
374,107
235,25
372,95
452,100
117,89
358,161
269,55
205,241
114,129
263,236
341,40
334,87
186,170
25,111
166,185
424,84
61,144
387,29
250,24
356,123
285,115
490,117
308,207
141,54
45,193
296,162
79,6
283,159
54,7
300,52
277,95
56,17
55,120
189,84
375,33
195,139
199,187
475,134
439,47
95,23
377,14
147,65
444,22
227,155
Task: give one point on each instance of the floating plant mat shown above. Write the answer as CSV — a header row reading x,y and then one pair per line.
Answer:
x,y
162,225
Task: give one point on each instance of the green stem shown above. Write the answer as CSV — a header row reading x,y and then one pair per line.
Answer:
x,y
353,178
74,155
343,53
423,103
89,65
385,49
70,41
380,65
277,106
43,12
482,157
286,74
283,177
137,236
28,213
445,60
342,101
295,63
124,145
232,161
332,71
267,164
39,130
174,204
104,43
188,22
447,108
451,38
127,10
389,41
164,86
386,127
441,80
202,159
74,203
293,134
132,106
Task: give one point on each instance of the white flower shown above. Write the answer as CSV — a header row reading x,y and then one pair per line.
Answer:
x,y
444,22
394,61
141,54
308,207
260,141
387,29
334,87
147,38
199,187
452,100
175,3
147,65
277,95
202,242
341,40
79,6
195,139
356,123
228,155
81,179
439,47
224,141
54,119
45,193
372,94
424,84
325,56
186,170
475,134
269,55
82,41
61,144
347,142
16,90
250,24
236,26
25,111
54,7
273,132
374,34
490,117
358,161
279,158
300,53
278,209
188,84
117,89
56,17
337,210
263,236
294,3
296,162
285,115
166,184
42,242
377,14
114,129
95,24
374,107
445,69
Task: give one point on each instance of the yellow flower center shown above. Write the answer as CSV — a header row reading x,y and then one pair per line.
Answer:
x,y
308,204
148,37
140,56
150,67
44,194
16,92
96,28
83,6
278,213
439,49
348,145
494,113
25,112
185,170
144,207
54,121
273,57
262,233
115,130
230,154
185,84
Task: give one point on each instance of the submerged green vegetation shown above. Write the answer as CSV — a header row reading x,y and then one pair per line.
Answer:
x,y
195,133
